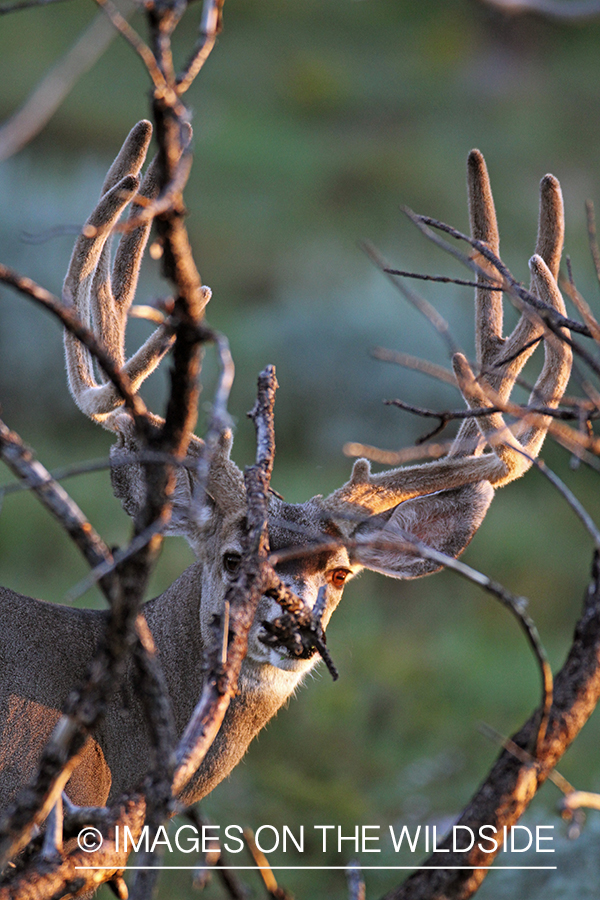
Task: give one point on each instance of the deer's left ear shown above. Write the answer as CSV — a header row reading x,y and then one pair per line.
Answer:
x,y
445,521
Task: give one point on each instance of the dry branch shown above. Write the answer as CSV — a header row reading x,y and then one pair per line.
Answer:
x,y
241,599
512,783
43,102
72,323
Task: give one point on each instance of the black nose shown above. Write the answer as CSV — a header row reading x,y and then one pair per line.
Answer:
x,y
281,635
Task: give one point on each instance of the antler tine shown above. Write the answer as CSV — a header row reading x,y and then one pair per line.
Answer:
x,y
466,463
516,448
552,381
78,288
131,156
112,297
106,315
551,224
104,299
133,242
549,246
129,161
484,227
492,348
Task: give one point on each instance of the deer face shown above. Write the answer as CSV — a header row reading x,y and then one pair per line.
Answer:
x,y
440,503
311,559
312,556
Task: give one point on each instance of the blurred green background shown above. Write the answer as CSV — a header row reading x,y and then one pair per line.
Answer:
x,y
314,122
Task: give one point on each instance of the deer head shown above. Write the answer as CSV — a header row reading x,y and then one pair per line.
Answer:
x,y
366,522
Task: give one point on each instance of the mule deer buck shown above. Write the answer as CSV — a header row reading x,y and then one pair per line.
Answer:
x,y
44,648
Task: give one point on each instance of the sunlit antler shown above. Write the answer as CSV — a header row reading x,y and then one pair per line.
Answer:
x,y
499,359
499,362
102,297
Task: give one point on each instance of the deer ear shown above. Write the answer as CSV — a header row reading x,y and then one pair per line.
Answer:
x,y
128,481
445,521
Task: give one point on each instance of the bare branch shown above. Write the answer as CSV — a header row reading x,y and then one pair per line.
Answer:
x,y
452,414
43,102
22,462
122,26
512,286
577,507
512,783
71,321
210,27
164,202
75,873
582,306
516,605
413,362
441,279
422,305
25,4
262,864
592,236
578,799
356,884
300,629
242,596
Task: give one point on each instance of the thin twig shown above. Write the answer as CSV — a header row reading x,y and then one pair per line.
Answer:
x,y
123,27
300,629
215,859
575,504
442,279
165,200
56,500
98,465
67,315
422,305
107,567
45,99
550,315
516,605
262,864
25,4
356,884
552,319
592,236
576,816
210,27
414,362
512,356
242,596
153,690
451,414
582,306
578,799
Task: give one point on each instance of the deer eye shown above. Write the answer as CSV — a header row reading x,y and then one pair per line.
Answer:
x,y
338,577
231,562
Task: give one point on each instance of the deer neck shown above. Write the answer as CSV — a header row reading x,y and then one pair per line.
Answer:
x,y
174,620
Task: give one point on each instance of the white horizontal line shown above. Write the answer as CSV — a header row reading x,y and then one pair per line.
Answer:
x,y
326,868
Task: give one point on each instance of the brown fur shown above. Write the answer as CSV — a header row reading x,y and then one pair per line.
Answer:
x,y
44,649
